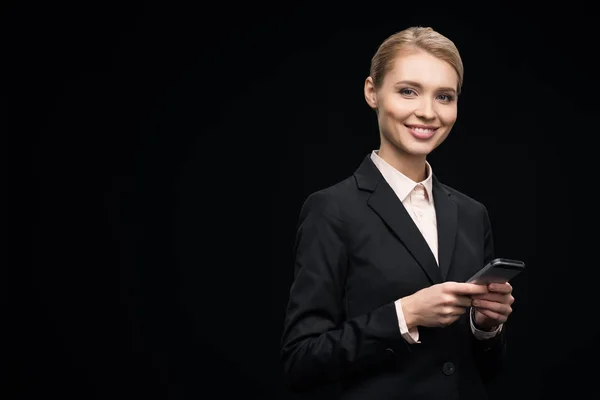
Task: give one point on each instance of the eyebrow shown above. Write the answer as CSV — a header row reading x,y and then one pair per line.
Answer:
x,y
418,85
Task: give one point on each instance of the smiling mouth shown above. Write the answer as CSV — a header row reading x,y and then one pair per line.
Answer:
x,y
422,129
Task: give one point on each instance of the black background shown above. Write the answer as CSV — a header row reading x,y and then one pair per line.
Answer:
x,y
173,144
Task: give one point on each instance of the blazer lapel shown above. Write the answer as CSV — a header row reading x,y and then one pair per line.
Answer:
x,y
387,205
447,219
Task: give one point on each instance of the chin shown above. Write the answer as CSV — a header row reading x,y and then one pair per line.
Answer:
x,y
423,148
419,153
419,149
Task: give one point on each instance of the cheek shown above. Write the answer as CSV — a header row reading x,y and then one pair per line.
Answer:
x,y
448,115
398,110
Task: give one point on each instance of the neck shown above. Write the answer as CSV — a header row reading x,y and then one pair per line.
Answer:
x,y
414,167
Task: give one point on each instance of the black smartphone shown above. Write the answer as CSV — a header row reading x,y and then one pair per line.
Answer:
x,y
499,270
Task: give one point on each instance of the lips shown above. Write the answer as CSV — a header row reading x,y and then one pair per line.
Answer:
x,y
421,131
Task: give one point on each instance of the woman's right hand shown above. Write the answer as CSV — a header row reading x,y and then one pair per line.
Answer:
x,y
439,305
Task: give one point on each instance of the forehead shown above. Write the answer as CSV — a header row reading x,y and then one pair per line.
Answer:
x,y
424,68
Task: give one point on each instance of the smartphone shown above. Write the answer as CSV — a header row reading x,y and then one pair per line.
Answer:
x,y
499,270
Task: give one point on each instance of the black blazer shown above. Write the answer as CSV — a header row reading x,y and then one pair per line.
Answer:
x,y
357,250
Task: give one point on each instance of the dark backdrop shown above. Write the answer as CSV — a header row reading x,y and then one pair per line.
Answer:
x,y
172,146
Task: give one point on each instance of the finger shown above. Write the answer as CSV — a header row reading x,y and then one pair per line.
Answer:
x,y
500,287
497,297
499,308
464,301
493,315
468,289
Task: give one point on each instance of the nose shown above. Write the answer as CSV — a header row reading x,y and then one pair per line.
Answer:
x,y
425,109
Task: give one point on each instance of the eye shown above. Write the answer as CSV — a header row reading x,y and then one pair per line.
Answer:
x,y
407,92
446,98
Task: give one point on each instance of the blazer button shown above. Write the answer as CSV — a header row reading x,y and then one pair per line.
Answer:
x,y
448,368
391,351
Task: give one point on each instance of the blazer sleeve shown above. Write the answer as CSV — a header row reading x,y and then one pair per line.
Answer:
x,y
319,345
490,354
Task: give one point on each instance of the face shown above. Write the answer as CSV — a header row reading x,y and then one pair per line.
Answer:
x,y
416,104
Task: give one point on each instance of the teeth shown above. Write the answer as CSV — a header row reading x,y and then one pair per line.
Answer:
x,y
422,130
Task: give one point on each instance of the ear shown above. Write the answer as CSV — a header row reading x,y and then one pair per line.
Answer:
x,y
370,93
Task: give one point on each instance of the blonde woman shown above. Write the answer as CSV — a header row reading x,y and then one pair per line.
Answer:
x,y
378,303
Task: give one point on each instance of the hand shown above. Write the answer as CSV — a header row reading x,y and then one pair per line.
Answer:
x,y
439,305
494,307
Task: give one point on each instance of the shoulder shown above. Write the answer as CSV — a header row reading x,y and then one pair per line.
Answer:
x,y
465,201
330,200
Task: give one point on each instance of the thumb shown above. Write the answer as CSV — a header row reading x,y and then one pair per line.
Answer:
x,y
468,288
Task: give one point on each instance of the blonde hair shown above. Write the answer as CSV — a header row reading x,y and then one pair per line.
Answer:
x,y
415,38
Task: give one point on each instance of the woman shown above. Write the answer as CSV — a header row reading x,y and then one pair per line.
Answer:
x,y
378,303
